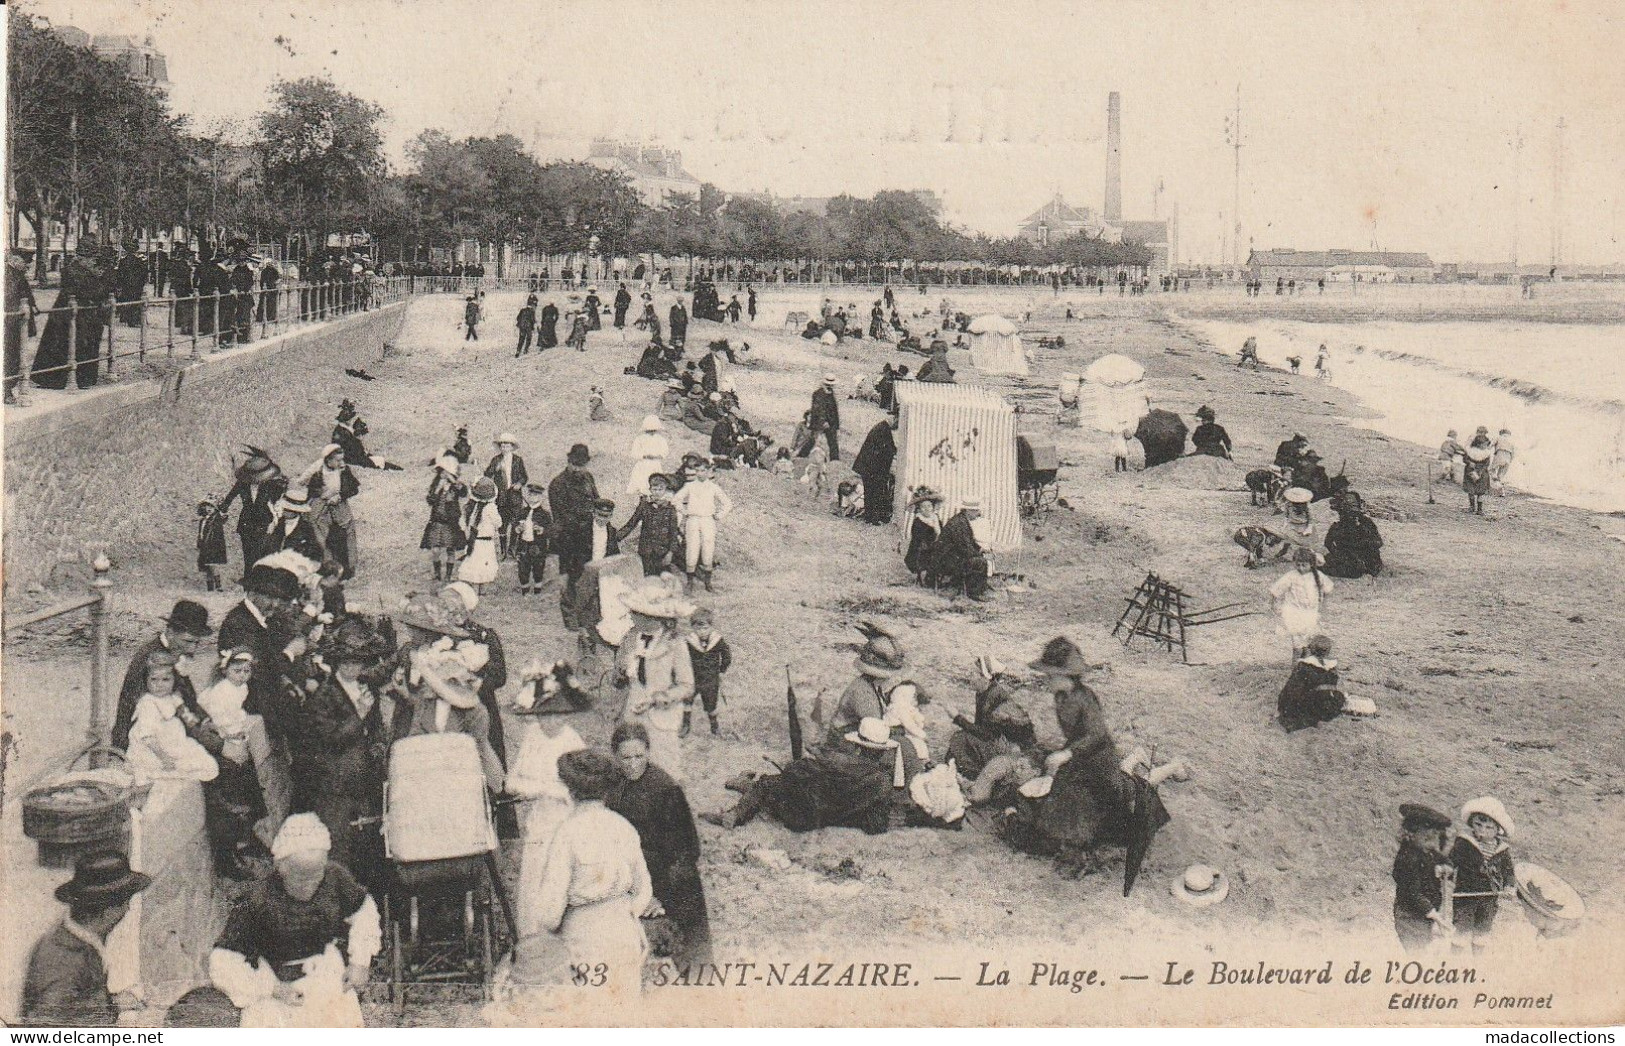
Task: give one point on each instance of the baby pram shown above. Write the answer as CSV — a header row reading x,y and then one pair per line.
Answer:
x,y
442,885
1037,468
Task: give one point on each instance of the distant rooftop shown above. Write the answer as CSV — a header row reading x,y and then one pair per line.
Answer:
x,y
1328,259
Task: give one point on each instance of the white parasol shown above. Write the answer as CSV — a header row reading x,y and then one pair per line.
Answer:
x,y
992,323
1114,371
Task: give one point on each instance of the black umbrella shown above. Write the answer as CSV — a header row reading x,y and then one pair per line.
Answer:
x,y
1162,434
1146,816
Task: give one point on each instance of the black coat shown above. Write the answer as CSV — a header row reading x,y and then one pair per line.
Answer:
x,y
1210,438
1417,890
1353,547
547,332
826,411
302,539
1310,697
878,450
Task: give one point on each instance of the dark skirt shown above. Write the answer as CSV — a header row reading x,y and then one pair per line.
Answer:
x,y
211,550
922,540
442,535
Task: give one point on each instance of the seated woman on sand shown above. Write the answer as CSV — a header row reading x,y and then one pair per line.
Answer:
x,y
1092,789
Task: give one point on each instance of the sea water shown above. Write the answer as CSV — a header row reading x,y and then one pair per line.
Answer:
x,y
1559,388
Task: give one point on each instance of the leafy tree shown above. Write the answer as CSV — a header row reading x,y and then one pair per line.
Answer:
x,y
84,136
322,153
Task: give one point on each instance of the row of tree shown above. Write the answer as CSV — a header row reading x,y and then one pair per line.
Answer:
x,y
86,138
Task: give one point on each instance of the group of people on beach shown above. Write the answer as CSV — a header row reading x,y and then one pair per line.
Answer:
x,y
291,735
1480,467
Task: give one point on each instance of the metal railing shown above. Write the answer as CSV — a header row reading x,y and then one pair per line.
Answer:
x,y
98,340
97,601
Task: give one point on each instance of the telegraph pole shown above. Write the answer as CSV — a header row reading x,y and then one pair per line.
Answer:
x,y
1232,137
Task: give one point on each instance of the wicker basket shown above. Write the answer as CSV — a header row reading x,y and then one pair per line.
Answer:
x,y
75,807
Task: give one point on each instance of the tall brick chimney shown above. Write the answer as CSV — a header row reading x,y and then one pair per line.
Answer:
x,y
1114,158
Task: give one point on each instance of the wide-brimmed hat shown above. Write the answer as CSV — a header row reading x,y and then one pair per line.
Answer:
x,y
656,601
506,437
872,733
1299,495
1201,885
257,467
651,423
428,612
485,489
328,451
1415,817
579,454
448,464
1490,807
355,640
103,878
274,582
1348,501
450,680
922,495
881,657
295,499
1061,656
189,617
1204,411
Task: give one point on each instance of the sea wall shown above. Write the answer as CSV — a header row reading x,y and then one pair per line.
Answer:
x,y
99,470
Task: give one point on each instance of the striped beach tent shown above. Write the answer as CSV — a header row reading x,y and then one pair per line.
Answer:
x,y
959,440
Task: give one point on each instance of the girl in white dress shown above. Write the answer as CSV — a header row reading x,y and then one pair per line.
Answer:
x,y
649,450
479,567
159,745
1298,596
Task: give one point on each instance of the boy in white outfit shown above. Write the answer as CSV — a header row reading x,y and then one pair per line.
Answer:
x,y
702,505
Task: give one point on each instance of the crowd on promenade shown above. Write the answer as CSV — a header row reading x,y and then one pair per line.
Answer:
x,y
219,293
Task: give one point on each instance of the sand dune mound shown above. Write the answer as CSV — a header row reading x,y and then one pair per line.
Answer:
x,y
1200,472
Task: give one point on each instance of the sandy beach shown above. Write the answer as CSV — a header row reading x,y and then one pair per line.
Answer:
x,y
1489,645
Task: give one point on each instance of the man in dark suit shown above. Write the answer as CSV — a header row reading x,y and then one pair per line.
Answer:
x,y
571,495
290,527
825,418
66,983
186,627
958,556
341,733
259,623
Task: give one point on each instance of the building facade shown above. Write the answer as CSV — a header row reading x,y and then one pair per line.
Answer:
x,y
656,173
1341,266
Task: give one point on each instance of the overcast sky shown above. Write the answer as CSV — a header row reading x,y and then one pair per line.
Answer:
x,y
1385,123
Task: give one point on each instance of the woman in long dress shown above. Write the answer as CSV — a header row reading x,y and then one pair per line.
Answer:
x,y
479,567
595,886
924,528
657,807
649,450
534,779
